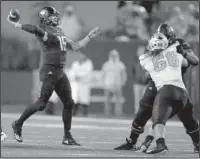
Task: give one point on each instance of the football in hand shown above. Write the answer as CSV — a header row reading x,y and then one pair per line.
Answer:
x,y
14,15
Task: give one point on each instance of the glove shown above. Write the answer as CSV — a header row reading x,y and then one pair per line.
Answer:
x,y
180,49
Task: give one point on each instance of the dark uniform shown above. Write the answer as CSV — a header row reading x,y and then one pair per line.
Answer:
x,y
52,75
54,45
54,59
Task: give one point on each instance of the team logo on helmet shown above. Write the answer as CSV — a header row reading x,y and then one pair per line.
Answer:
x,y
49,16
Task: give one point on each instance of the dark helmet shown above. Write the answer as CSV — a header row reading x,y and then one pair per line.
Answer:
x,y
168,31
49,16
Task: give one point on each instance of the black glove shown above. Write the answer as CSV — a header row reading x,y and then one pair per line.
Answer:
x,y
180,49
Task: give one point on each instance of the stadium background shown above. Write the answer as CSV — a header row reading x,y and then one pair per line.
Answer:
x,y
18,63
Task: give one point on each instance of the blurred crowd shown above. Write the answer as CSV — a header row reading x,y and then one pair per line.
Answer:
x,y
134,20
139,19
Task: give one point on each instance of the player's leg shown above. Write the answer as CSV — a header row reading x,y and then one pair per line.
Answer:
x,y
46,92
63,90
169,98
161,112
191,125
50,107
142,116
75,109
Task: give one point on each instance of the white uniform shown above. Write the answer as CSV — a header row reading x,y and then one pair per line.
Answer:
x,y
81,81
164,68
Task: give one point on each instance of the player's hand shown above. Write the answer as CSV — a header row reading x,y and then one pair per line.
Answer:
x,y
16,24
180,49
94,32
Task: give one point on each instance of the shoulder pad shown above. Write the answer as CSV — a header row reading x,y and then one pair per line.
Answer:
x,y
143,56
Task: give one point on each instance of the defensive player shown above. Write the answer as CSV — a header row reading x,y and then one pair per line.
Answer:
x,y
54,45
164,66
146,103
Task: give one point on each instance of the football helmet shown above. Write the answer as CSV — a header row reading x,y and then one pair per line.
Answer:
x,y
49,16
168,31
158,42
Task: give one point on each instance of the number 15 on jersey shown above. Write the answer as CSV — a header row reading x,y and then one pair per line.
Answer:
x,y
63,42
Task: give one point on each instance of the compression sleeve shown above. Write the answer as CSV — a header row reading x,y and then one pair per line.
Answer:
x,y
34,29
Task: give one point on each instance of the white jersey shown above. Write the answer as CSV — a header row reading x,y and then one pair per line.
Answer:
x,y
164,68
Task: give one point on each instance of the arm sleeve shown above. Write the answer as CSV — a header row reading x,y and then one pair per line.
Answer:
x,y
34,29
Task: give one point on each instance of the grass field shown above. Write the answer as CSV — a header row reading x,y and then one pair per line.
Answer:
x,y
43,134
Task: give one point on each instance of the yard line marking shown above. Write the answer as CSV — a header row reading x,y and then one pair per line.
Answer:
x,y
91,127
89,119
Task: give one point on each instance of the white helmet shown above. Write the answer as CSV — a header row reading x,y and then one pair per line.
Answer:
x,y
158,42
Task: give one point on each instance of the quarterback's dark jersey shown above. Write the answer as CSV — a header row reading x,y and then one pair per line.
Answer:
x,y
54,49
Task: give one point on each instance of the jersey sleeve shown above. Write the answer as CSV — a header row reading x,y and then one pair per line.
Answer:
x,y
69,43
34,29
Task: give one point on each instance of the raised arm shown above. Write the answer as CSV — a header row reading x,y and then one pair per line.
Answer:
x,y
191,57
185,62
33,29
82,43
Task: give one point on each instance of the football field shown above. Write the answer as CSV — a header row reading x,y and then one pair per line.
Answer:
x,y
43,135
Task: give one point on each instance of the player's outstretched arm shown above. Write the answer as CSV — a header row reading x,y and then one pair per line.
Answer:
x,y
33,29
191,57
187,52
82,43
